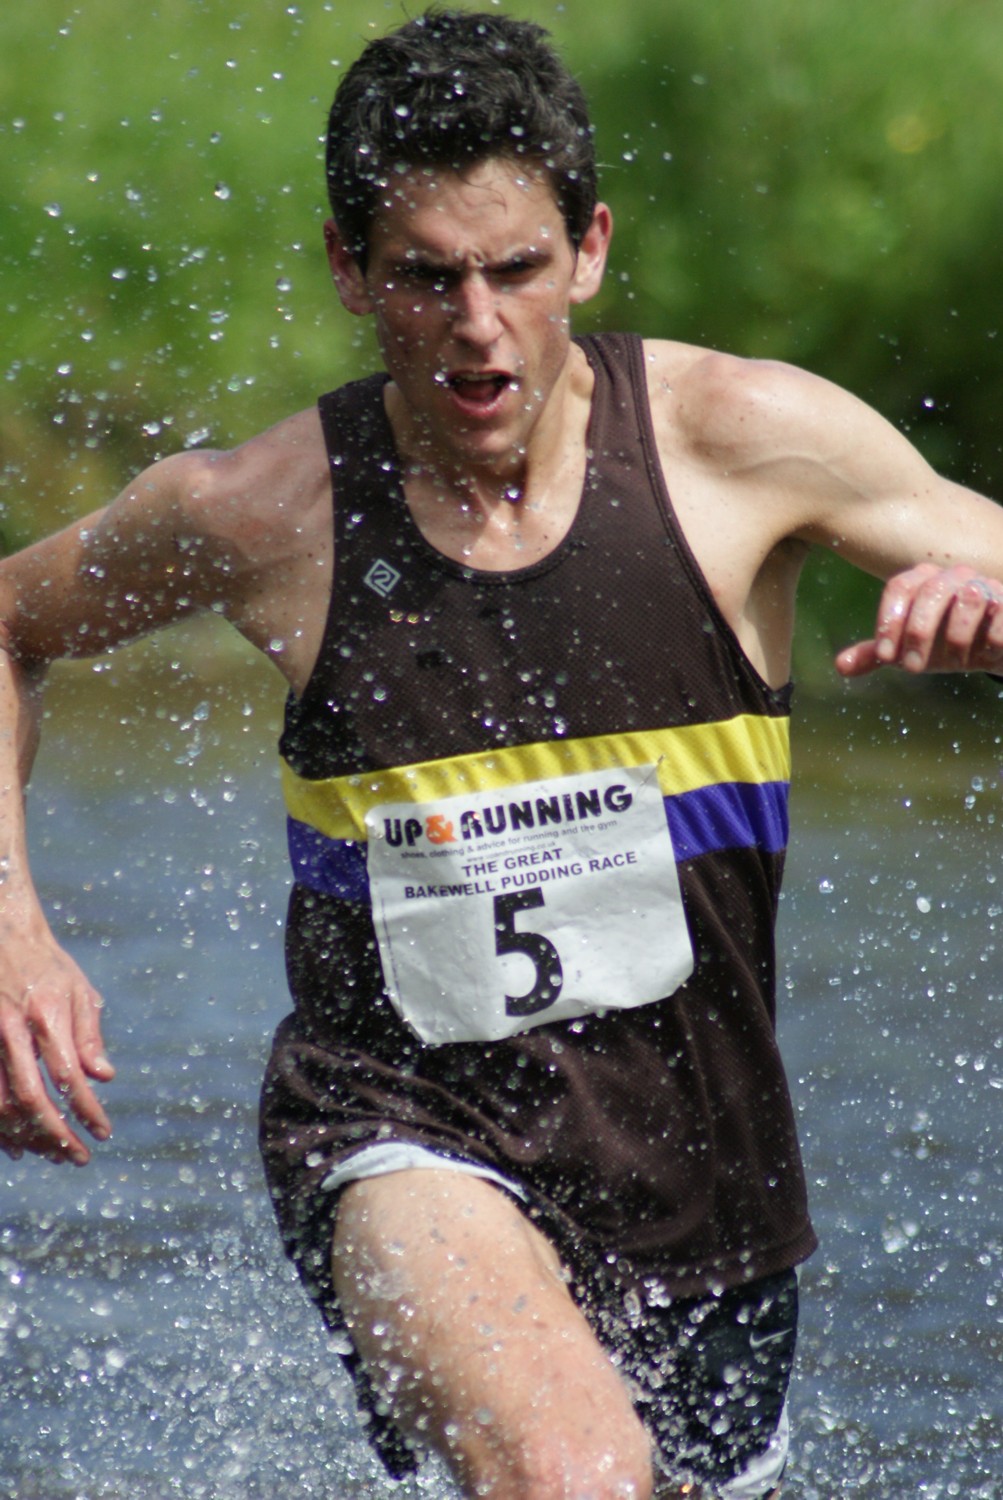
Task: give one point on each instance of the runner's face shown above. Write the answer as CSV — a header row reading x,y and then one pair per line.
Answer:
x,y
471,278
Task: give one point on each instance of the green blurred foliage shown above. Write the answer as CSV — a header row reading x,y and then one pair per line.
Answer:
x,y
812,180
818,182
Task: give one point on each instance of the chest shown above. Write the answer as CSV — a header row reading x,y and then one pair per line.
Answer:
x,y
425,659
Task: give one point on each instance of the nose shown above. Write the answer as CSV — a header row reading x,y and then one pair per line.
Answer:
x,y
475,310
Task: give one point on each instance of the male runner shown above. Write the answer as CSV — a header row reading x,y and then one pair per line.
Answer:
x,y
526,1130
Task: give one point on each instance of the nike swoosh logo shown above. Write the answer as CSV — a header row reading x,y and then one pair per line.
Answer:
x,y
757,1340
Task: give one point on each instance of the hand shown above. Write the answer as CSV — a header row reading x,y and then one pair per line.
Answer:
x,y
48,1020
933,619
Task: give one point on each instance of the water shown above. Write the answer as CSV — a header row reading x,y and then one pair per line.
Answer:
x,y
155,1344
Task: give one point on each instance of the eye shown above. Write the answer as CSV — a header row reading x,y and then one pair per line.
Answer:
x,y
520,268
427,278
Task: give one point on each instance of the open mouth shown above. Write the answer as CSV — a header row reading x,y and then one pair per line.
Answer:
x,y
478,390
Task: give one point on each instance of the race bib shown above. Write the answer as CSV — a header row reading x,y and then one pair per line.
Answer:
x,y
500,911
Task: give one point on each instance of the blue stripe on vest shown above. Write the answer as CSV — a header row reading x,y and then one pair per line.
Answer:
x,y
335,866
729,815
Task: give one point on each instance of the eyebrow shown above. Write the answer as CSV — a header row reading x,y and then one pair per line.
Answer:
x,y
431,261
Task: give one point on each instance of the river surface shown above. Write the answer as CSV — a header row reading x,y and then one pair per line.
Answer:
x,y
153,1341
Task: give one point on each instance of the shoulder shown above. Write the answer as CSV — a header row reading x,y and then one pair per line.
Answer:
x,y
206,521
266,482
738,414
228,512
198,530
725,403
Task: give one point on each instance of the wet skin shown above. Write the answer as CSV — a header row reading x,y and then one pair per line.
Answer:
x,y
470,279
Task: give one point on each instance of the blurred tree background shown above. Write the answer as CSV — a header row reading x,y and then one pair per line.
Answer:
x,y
806,181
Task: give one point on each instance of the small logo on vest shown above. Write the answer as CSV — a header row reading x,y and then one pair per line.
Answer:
x,y
382,578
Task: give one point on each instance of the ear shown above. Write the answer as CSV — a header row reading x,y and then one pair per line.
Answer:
x,y
347,273
592,253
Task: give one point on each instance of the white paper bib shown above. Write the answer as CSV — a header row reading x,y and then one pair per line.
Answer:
x,y
498,911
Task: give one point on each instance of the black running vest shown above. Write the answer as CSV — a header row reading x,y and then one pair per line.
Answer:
x,y
661,1137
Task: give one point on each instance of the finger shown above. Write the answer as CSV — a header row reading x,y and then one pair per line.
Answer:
x,y
859,659
14,1151
33,1122
894,610
37,1135
58,1053
53,1029
87,1007
923,643
962,630
992,658
973,631
26,1138
946,627
40,1143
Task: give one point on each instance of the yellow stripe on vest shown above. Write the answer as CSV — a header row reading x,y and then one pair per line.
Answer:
x,y
750,748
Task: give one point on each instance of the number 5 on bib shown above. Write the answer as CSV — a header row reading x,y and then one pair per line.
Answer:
x,y
495,913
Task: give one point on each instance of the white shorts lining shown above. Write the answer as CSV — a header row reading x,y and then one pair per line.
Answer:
x,y
402,1156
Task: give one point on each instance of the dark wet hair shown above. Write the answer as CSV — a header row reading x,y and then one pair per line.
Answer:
x,y
450,89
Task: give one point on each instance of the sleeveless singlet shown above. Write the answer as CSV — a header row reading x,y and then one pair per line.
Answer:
x,y
469,744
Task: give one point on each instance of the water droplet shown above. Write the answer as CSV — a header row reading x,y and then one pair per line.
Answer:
x,y
895,1237
221,191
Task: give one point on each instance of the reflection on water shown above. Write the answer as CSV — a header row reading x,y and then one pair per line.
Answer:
x,y
154,1342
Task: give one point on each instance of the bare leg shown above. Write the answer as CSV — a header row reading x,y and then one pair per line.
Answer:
x,y
457,1306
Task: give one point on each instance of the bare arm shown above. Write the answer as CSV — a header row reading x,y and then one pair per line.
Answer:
x,y
97,583
245,534
163,550
938,545
766,461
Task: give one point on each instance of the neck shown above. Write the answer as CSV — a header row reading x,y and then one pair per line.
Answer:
x,y
473,491
483,484
499,515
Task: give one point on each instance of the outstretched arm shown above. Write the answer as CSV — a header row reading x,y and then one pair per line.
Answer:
x,y
938,545
777,461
